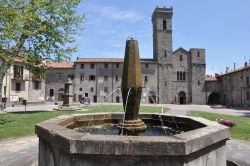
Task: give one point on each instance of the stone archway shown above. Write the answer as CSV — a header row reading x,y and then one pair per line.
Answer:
x,y
182,97
60,94
214,98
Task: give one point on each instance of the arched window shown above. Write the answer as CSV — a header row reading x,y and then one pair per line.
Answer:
x,y
181,58
181,76
184,76
164,24
165,53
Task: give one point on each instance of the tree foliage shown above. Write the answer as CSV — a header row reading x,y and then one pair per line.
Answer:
x,y
38,29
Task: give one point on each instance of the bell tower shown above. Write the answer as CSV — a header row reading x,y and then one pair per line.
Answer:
x,y
162,50
162,34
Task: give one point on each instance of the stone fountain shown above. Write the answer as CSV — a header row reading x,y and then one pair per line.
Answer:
x,y
131,89
72,140
68,104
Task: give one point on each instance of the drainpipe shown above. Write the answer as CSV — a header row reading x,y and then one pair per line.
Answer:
x,y
96,81
206,91
158,84
242,83
112,81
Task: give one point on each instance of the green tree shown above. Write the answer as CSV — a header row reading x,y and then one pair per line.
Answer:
x,y
37,29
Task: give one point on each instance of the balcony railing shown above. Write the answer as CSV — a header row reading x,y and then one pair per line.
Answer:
x,y
18,77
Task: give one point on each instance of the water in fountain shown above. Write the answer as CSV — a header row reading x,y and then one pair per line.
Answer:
x,y
172,115
125,109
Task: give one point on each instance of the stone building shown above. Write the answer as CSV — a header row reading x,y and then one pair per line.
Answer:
x,y
20,84
169,77
97,78
230,89
56,76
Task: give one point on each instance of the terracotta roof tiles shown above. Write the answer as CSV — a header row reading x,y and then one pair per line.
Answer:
x,y
61,65
108,60
211,78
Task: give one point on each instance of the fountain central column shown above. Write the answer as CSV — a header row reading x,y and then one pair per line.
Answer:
x,y
132,87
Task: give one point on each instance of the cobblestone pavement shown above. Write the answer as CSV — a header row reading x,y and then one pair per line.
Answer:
x,y
184,109
19,152
239,151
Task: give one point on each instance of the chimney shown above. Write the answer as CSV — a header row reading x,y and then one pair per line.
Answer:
x,y
227,69
245,64
234,66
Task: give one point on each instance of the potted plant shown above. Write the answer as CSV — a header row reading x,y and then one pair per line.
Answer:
x,y
229,123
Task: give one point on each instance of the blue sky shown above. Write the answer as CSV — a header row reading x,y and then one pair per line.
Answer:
x,y
222,27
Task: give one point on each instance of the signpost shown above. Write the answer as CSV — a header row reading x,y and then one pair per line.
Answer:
x,y
25,103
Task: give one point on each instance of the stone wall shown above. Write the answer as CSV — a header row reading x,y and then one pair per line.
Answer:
x,y
55,79
234,88
37,95
181,63
198,70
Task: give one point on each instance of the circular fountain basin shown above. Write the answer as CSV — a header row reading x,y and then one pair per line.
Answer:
x,y
70,140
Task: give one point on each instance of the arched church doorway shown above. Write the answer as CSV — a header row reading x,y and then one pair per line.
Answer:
x,y
152,97
214,98
182,97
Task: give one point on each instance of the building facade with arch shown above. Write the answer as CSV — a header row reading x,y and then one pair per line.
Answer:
x,y
169,77
181,72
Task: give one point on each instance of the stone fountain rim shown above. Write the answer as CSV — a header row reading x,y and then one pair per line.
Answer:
x,y
181,144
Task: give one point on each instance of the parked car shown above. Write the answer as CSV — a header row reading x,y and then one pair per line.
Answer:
x,y
85,101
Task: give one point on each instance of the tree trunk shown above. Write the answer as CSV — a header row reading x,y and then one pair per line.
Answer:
x,y
3,69
1,84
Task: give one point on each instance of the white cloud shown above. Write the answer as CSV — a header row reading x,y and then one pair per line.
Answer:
x,y
114,13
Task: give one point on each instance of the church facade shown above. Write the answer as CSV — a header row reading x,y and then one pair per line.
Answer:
x,y
171,76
